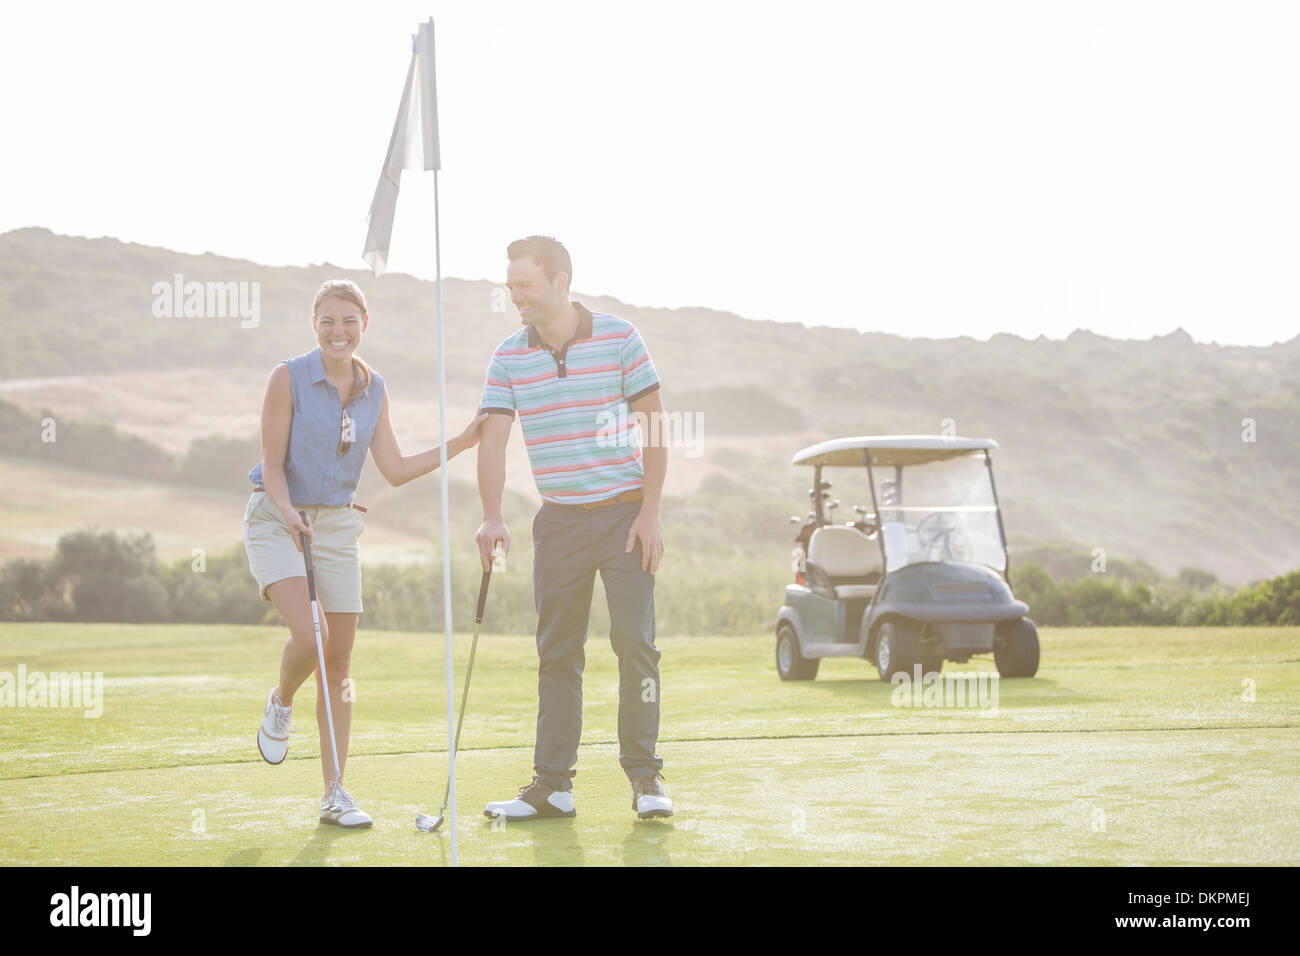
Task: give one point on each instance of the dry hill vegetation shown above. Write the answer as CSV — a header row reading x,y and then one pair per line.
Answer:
x,y
1132,446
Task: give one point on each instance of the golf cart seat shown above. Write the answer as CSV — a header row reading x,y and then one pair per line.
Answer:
x,y
843,563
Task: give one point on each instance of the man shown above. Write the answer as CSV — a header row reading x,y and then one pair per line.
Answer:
x,y
571,375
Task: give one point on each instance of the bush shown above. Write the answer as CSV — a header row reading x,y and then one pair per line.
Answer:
x,y
27,593
111,578
219,591
1276,601
707,585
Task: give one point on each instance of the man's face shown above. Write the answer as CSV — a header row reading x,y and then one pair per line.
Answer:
x,y
538,299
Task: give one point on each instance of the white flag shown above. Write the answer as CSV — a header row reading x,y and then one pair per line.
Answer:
x,y
414,145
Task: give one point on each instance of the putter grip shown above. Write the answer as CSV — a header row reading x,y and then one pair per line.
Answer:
x,y
306,556
482,596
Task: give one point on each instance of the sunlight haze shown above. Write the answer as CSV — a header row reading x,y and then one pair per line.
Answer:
x,y
934,169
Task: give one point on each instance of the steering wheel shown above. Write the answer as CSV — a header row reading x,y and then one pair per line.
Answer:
x,y
943,528
868,523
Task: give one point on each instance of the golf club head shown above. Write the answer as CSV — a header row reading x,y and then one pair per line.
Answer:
x,y
427,823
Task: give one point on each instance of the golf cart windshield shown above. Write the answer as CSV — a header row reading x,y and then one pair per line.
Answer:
x,y
939,511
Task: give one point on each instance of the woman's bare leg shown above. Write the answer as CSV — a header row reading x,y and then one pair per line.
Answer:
x,y
338,633
299,658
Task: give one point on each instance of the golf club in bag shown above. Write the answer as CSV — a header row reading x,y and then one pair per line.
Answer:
x,y
422,820
320,648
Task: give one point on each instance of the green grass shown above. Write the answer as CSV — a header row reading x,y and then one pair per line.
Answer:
x,y
1132,746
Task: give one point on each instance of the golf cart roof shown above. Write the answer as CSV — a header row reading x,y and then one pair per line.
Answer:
x,y
889,450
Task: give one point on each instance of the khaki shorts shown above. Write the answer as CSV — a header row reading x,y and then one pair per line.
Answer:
x,y
335,557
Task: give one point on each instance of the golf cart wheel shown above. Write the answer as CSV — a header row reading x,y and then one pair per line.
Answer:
x,y
897,650
1015,648
790,664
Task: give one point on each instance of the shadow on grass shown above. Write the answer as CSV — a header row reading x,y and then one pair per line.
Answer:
x,y
1035,691
317,850
439,846
243,858
554,842
646,844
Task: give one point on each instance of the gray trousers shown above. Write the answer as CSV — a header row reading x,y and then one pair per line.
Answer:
x,y
569,546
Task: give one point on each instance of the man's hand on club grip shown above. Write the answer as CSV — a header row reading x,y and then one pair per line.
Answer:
x,y
489,533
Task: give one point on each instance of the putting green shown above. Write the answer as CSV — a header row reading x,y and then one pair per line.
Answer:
x,y
1132,746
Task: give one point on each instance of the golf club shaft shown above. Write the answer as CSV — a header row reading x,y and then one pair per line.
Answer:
x,y
469,669
320,650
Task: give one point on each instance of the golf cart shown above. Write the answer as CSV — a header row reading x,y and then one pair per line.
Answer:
x,y
920,578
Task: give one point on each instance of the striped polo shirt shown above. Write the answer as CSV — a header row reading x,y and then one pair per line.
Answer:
x,y
572,405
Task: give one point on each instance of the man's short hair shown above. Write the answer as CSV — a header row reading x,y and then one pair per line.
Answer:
x,y
547,252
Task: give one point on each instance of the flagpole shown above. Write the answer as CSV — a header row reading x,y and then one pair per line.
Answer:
x,y
446,510
446,531
414,145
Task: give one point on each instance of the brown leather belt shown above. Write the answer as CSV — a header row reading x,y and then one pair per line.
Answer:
x,y
626,497
263,490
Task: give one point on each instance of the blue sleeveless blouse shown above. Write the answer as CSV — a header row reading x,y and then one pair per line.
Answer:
x,y
317,474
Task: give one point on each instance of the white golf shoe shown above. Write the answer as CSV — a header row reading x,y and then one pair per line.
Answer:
x,y
273,734
338,807
536,801
649,798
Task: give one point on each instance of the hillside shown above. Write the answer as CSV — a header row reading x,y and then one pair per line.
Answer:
x,y
1131,446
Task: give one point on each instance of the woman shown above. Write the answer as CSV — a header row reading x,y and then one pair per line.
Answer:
x,y
322,411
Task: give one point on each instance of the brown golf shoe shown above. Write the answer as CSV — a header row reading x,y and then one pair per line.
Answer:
x,y
649,798
535,801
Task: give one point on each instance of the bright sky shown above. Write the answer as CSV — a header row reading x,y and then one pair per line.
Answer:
x,y
930,169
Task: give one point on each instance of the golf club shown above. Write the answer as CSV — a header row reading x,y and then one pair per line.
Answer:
x,y
422,820
320,648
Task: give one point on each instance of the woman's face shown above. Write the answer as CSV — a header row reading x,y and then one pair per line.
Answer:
x,y
339,324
